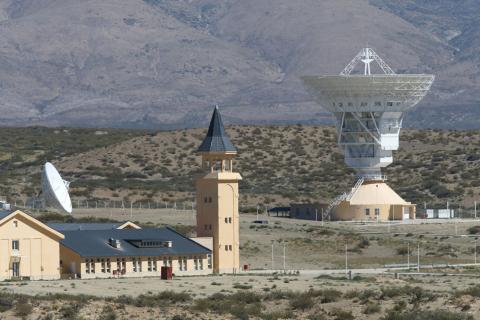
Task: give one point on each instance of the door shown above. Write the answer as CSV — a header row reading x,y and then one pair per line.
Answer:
x,y
16,269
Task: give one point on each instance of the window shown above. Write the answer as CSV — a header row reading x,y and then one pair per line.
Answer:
x,y
226,220
165,261
15,245
180,264
124,265
149,265
205,199
378,104
185,263
367,211
154,264
102,266
229,220
230,247
201,263
210,227
209,261
89,266
210,199
206,227
15,223
119,265
195,263
377,211
170,262
226,248
108,266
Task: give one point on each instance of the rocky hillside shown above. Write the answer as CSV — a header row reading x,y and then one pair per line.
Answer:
x,y
279,164
162,63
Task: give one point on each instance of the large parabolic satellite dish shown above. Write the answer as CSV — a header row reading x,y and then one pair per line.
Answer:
x,y
55,189
368,109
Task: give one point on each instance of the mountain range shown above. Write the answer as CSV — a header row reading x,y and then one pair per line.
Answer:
x,y
163,63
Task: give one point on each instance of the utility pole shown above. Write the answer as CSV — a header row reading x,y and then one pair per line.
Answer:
x,y
346,258
272,257
475,252
418,257
408,255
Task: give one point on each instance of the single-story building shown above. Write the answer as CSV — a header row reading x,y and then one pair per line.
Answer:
x,y
307,211
131,253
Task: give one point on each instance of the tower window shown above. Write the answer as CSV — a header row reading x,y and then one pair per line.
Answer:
x,y
15,223
15,244
226,220
377,211
226,248
230,220
230,247
367,212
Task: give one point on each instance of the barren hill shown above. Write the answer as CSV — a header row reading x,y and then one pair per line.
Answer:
x,y
279,164
162,63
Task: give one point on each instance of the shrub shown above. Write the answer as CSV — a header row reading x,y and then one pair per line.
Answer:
x,y
23,309
342,315
301,302
371,307
108,313
474,230
427,315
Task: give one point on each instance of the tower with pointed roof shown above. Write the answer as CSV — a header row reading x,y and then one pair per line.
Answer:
x,y
217,197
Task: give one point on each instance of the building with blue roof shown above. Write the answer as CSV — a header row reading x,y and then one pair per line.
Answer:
x,y
93,252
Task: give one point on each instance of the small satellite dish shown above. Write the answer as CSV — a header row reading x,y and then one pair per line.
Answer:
x,y
55,189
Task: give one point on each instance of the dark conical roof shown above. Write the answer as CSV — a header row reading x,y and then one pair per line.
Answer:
x,y
217,139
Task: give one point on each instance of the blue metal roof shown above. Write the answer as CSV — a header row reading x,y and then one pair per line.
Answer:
x,y
217,139
95,243
4,213
84,226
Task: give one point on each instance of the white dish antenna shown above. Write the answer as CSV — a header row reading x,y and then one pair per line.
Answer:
x,y
55,189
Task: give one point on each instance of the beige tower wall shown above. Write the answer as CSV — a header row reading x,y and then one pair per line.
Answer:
x,y
218,217
39,248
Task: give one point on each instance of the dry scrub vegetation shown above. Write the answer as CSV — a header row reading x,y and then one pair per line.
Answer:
x,y
279,164
327,298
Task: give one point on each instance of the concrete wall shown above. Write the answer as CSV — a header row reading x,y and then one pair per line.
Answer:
x,y
39,253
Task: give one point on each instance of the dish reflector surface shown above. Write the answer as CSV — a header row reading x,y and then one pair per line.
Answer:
x,y
55,189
